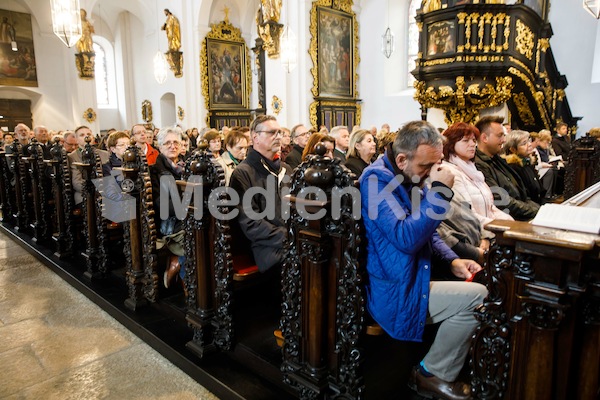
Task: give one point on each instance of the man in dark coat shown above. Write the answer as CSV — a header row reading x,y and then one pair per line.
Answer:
x,y
262,171
299,138
497,173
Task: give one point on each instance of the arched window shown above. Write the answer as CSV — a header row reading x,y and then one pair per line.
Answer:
x,y
413,41
106,83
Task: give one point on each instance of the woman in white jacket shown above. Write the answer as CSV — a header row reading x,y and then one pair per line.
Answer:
x,y
459,152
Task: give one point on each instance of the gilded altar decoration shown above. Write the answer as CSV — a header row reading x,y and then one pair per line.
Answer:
x,y
225,68
334,52
89,115
523,109
18,66
431,5
174,55
524,42
147,111
180,113
268,26
276,105
462,100
85,56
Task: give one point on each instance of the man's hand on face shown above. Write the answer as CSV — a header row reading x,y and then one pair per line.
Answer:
x,y
463,268
441,174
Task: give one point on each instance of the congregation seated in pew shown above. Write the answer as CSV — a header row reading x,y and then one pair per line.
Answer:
x,y
402,245
81,133
169,164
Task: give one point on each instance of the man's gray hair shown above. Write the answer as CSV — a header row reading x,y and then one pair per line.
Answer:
x,y
414,134
335,131
162,134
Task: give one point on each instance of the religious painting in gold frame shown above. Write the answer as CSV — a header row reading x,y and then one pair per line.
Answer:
x,y
334,49
225,68
17,59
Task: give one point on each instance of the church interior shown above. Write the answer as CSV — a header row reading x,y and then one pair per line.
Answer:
x,y
228,327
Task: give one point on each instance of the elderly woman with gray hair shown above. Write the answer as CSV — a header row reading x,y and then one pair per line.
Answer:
x,y
167,169
518,150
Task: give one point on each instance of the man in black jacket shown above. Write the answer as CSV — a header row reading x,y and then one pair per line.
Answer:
x,y
257,181
497,173
300,136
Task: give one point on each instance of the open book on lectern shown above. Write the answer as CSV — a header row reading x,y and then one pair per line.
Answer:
x,y
562,216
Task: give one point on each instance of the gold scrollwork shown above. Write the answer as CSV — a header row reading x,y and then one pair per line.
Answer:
x,y
462,102
180,113
224,30
276,105
523,109
524,42
312,112
147,111
89,115
538,96
522,66
345,5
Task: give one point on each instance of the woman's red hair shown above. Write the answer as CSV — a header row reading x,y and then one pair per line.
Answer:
x,y
455,133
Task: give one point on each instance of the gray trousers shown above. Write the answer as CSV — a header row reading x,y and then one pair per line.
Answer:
x,y
453,303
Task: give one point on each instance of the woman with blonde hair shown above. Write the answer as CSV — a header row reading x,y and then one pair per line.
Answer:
x,y
518,150
361,149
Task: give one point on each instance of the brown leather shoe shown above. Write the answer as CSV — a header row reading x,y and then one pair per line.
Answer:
x,y
172,270
434,387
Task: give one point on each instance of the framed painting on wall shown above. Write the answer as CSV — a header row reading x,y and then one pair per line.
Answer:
x,y
335,52
226,75
440,38
17,58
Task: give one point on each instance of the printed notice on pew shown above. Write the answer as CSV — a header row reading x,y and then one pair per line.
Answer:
x,y
580,219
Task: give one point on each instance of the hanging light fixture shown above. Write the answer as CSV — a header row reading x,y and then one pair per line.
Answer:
x,y
288,50
387,39
593,7
161,65
387,43
66,20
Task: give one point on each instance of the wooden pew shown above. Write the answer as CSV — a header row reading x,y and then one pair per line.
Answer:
x,y
41,220
213,272
6,192
140,232
95,252
583,168
540,324
65,235
323,309
17,181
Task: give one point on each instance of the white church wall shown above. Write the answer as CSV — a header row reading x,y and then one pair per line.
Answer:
x,y
382,83
574,46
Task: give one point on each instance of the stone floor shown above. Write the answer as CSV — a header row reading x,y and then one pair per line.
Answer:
x,y
56,344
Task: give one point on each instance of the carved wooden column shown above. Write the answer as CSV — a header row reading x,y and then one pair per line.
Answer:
x,y
13,163
62,207
323,305
35,168
94,253
209,265
132,232
5,192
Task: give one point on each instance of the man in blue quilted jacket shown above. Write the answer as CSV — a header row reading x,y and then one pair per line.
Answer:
x,y
401,217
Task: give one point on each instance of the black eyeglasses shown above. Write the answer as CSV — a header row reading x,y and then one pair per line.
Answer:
x,y
273,132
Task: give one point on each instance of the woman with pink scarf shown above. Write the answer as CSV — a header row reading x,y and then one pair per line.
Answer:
x,y
459,151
